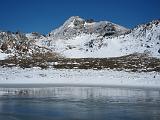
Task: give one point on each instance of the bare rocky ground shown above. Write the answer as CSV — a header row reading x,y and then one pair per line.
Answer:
x,y
135,62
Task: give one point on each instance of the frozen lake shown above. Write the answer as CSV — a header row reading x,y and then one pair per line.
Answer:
x,y
79,103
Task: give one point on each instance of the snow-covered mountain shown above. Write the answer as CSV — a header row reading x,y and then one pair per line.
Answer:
x,y
80,38
77,38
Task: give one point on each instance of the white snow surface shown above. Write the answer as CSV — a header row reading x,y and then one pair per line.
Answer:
x,y
78,77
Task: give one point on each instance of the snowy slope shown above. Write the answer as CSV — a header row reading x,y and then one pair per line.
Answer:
x,y
142,39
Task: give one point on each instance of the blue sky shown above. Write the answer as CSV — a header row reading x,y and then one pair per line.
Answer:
x,y
45,15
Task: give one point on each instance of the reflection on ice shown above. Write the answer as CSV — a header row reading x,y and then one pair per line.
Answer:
x,y
103,94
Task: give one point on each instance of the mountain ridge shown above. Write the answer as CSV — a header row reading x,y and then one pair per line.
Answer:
x,y
80,38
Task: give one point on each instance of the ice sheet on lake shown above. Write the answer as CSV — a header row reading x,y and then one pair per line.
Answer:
x,y
103,94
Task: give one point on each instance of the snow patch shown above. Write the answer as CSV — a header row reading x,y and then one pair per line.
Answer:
x,y
3,56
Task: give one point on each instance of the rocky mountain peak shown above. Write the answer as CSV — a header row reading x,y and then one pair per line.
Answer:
x,y
75,26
